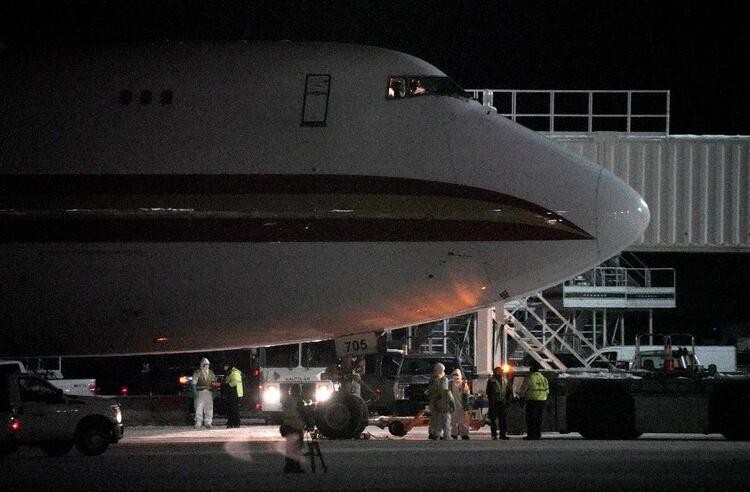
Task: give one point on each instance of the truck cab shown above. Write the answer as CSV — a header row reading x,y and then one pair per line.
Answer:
x,y
654,360
304,364
35,413
413,377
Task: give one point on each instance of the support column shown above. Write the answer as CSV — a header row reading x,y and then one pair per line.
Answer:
x,y
593,328
650,326
487,339
445,336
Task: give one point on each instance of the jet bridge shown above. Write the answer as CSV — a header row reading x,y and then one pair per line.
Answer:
x,y
696,186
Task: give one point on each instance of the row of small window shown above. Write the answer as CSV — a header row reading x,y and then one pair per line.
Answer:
x,y
146,97
402,86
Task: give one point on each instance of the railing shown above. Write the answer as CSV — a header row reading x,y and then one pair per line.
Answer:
x,y
582,111
625,277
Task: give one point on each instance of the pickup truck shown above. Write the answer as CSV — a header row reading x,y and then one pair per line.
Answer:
x,y
35,413
81,387
724,357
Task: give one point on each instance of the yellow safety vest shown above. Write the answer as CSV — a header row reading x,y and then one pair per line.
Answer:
x,y
537,387
234,379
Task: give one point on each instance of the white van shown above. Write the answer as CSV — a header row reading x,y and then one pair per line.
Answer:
x,y
724,357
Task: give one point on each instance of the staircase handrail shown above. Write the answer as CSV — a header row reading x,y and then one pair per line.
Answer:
x,y
625,277
565,324
516,326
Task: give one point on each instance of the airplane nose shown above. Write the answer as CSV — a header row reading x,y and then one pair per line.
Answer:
x,y
622,215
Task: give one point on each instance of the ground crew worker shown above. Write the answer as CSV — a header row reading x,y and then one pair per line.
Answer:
x,y
293,428
460,392
232,393
535,389
203,383
441,404
498,393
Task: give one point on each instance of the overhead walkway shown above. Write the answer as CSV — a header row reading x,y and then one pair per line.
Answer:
x,y
621,288
697,186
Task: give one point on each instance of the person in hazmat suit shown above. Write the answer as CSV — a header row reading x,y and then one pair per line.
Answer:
x,y
460,393
441,404
203,383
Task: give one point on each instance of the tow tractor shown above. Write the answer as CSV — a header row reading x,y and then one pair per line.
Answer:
x,y
337,414
666,392
410,393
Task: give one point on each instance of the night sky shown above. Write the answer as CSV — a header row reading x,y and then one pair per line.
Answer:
x,y
696,49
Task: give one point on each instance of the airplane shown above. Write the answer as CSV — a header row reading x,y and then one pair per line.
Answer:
x,y
175,197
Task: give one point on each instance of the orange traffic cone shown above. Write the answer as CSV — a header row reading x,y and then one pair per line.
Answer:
x,y
668,359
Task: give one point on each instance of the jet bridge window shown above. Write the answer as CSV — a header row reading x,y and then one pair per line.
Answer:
x,y
403,86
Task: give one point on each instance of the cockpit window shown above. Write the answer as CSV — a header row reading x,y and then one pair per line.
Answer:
x,y
402,86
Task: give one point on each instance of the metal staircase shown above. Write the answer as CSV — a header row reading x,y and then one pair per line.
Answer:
x,y
551,330
452,336
530,343
449,336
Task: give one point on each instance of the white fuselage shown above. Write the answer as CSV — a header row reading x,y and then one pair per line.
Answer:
x,y
184,197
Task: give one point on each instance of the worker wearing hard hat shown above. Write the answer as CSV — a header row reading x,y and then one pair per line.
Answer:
x,y
535,389
203,382
498,393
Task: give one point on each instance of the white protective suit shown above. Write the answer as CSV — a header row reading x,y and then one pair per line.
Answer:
x,y
203,379
459,420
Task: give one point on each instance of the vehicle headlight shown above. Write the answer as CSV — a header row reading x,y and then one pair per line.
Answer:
x,y
399,392
322,392
271,395
116,413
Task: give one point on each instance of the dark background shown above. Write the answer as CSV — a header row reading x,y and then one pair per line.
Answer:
x,y
695,49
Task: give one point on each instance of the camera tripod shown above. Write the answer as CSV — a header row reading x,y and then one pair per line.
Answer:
x,y
313,450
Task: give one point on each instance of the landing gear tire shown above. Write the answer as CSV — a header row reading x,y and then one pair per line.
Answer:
x,y
56,448
344,416
606,412
397,428
92,440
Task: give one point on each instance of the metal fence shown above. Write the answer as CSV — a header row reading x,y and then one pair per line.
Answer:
x,y
582,111
625,277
